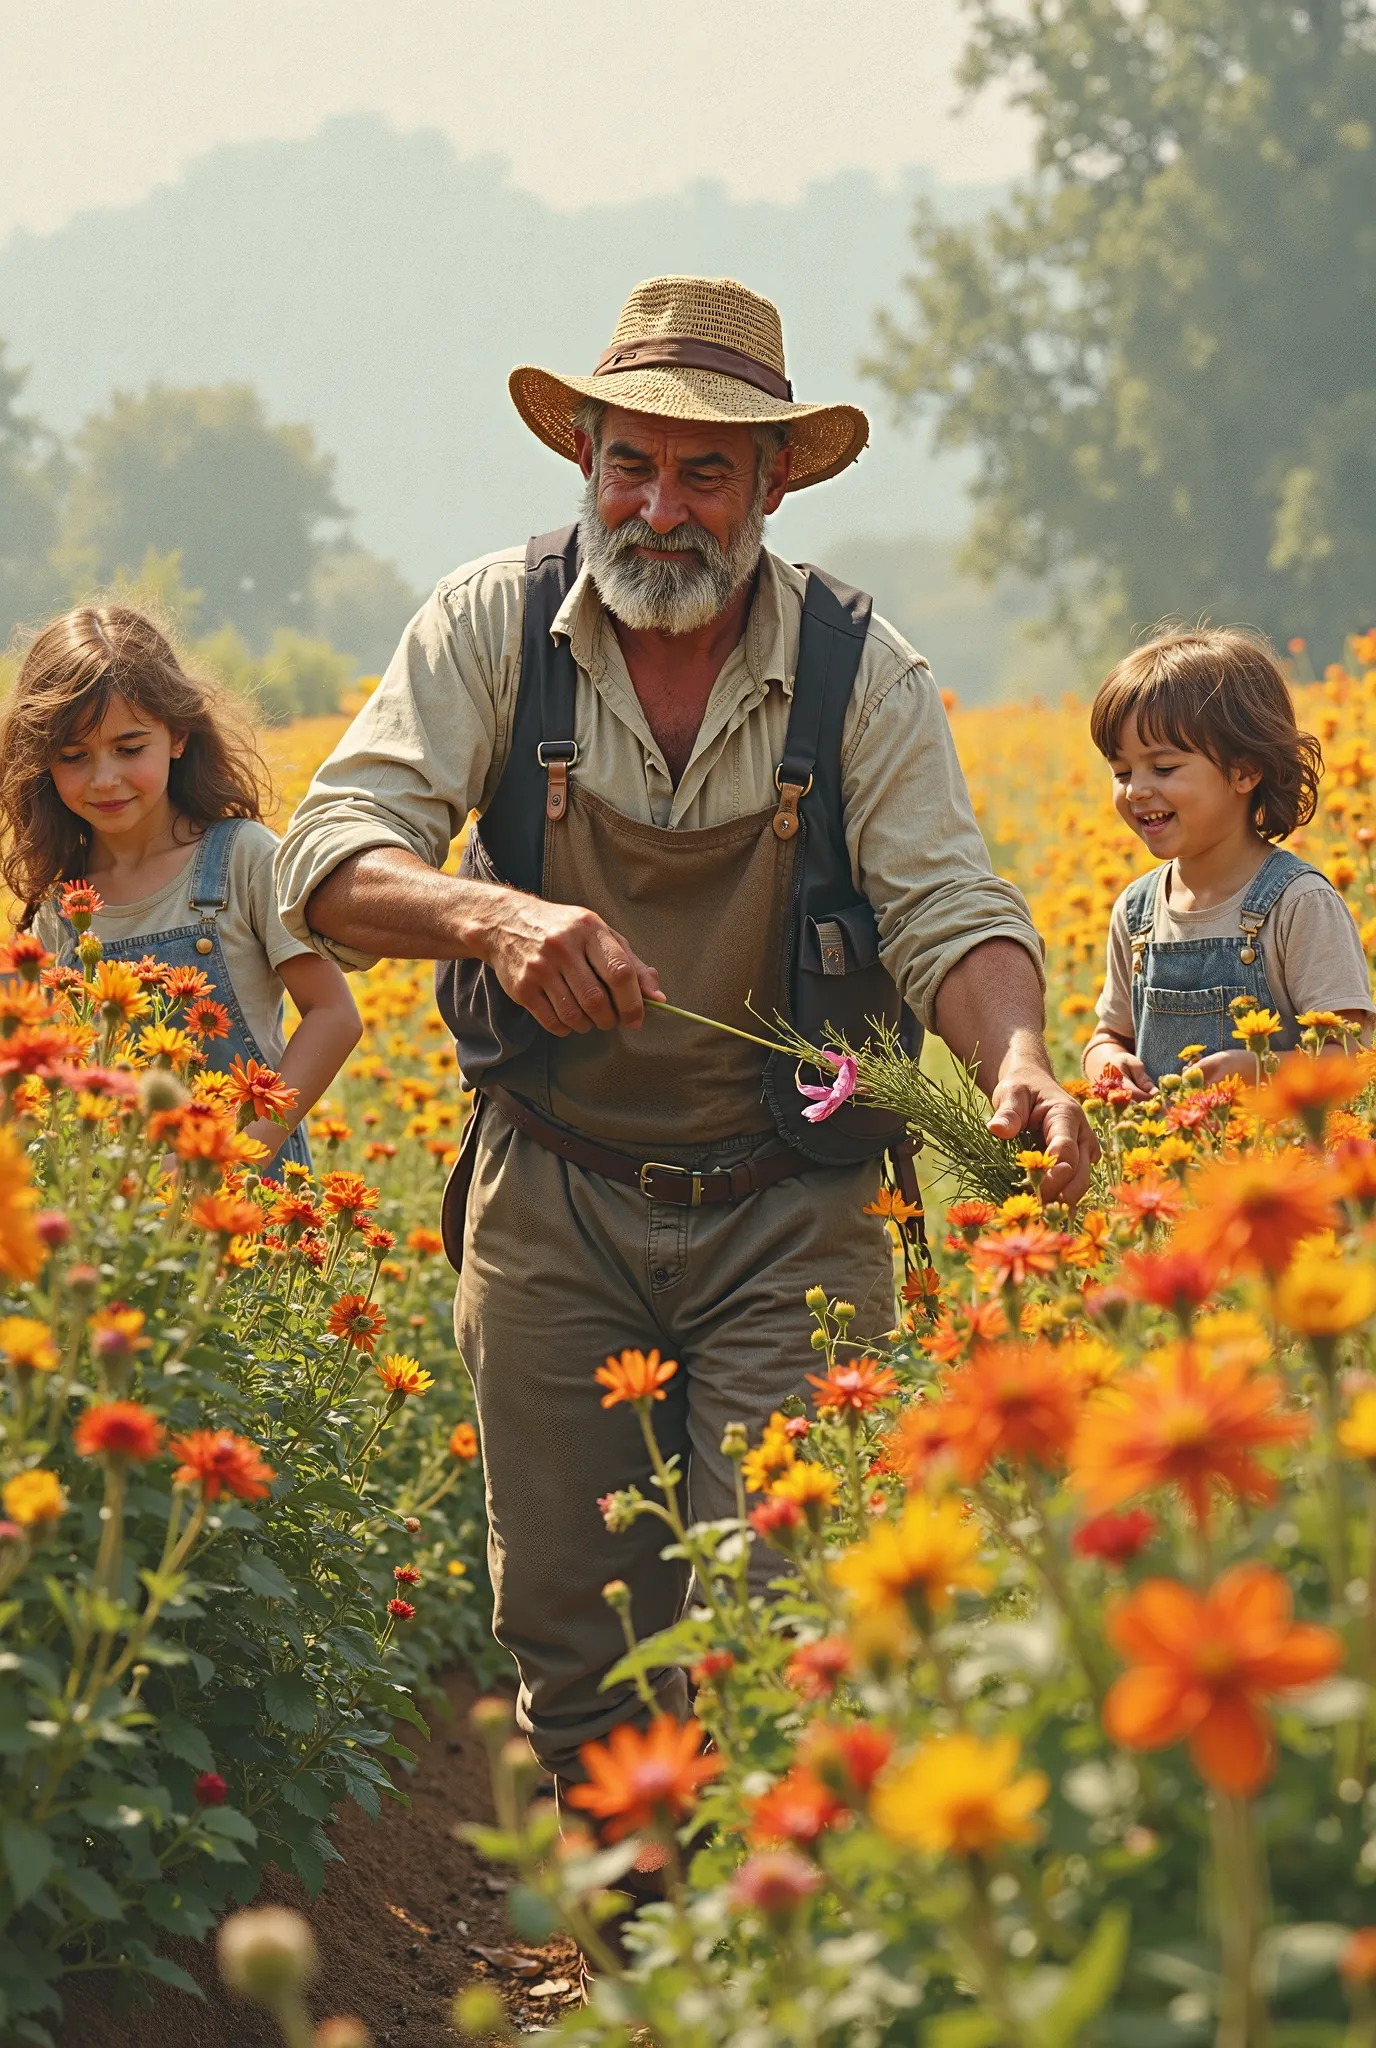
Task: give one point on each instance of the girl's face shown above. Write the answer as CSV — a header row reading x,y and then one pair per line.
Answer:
x,y
114,776
1179,802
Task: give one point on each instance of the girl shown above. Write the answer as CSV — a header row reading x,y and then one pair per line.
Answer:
x,y
121,769
1209,770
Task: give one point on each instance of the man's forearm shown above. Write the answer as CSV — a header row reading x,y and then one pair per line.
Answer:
x,y
387,901
989,1011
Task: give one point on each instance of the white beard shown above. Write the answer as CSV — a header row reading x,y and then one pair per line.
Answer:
x,y
690,585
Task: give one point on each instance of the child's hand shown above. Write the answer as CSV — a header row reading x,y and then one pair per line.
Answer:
x,y
1136,1079
1215,1065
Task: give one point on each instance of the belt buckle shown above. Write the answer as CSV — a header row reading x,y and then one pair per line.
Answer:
x,y
664,1166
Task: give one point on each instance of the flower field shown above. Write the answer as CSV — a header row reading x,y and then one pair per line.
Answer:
x,y
1036,1663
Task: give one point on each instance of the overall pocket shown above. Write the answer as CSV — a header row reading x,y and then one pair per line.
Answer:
x,y
1176,1017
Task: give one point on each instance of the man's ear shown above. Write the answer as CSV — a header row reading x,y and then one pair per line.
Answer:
x,y
780,471
582,441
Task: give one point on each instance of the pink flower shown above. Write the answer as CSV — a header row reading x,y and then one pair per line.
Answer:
x,y
774,1882
826,1101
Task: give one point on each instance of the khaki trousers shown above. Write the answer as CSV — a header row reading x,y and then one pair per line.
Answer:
x,y
561,1268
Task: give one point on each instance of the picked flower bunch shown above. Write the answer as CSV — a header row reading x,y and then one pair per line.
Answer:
x,y
1034,1674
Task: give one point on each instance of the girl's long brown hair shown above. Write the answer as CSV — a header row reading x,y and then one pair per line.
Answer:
x,y
68,677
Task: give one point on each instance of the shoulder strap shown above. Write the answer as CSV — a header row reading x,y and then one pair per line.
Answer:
x,y
1139,901
210,869
831,640
542,751
1271,880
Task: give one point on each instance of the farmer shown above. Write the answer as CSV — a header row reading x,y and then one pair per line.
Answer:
x,y
698,771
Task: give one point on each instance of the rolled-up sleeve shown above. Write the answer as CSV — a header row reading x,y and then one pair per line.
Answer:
x,y
417,758
916,850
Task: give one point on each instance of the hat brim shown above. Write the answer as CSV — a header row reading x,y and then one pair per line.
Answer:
x,y
824,438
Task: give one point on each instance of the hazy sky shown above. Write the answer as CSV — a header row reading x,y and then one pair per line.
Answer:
x,y
100,100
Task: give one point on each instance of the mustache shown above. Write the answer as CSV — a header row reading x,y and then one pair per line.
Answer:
x,y
686,538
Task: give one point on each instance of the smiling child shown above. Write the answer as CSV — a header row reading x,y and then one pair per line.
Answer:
x,y
123,770
1210,769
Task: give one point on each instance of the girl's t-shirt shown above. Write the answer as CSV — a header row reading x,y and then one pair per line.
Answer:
x,y
1310,950
252,936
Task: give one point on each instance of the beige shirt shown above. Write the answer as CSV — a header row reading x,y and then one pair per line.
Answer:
x,y
1310,950
430,746
252,936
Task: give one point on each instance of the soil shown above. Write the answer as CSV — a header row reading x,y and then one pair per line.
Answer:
x,y
395,1923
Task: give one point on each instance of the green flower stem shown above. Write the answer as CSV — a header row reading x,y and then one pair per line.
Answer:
x,y
1243,2021
988,1955
1335,1515
715,1024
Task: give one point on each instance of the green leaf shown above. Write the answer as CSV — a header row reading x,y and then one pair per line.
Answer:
x,y
263,1577
227,1820
91,1890
965,2029
29,1856
290,1702
186,1742
168,1972
1089,1984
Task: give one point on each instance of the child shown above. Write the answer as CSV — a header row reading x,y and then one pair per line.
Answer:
x,y
121,769
1209,769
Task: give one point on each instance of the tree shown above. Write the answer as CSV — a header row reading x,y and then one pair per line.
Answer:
x,y
1161,348
30,468
202,472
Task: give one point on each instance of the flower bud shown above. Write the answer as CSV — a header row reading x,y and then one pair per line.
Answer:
x,y
819,1340
815,1299
617,1594
84,1282
490,1718
267,1953
160,1091
89,950
844,1312
479,2011
1170,1084
412,1525
519,1758
342,2034
734,1442
54,1229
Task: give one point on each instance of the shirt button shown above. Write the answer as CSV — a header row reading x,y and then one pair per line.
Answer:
x,y
660,1275
205,945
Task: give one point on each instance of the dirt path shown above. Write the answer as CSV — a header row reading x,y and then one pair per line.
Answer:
x,y
394,1924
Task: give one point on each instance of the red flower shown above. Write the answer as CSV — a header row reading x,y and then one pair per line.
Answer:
x,y
798,1809
815,1669
118,1429
796,1427
1114,1539
401,1610
1174,1279
774,1882
220,1462
777,1521
210,1789
846,1760
714,1665
406,1574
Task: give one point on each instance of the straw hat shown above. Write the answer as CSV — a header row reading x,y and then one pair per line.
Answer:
x,y
696,348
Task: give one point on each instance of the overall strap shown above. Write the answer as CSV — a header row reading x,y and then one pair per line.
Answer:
x,y
831,641
1271,880
534,784
1139,907
209,890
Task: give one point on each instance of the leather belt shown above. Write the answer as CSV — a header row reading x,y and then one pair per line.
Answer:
x,y
658,1182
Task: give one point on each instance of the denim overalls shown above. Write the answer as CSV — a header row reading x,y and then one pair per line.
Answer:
x,y
1181,988
198,945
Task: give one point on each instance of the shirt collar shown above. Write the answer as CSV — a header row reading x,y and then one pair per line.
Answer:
x,y
769,644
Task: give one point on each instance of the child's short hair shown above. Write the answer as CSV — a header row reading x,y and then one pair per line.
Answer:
x,y
66,681
1218,691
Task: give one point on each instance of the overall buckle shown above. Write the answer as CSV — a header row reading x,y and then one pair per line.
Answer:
x,y
684,1172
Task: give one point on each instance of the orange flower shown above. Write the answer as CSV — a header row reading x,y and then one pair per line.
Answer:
x,y
1017,1401
207,1020
427,1242
1308,1088
79,903
635,1377
115,1334
798,1809
1256,1210
1183,1420
1148,1202
357,1321
889,1203
1203,1665
118,1429
347,1197
463,1441
260,1091
185,985
219,1462
852,1390
639,1779
402,1376
1010,1258
227,1216
1173,1279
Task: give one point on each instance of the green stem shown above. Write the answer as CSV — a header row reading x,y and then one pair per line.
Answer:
x,y
715,1024
1243,2021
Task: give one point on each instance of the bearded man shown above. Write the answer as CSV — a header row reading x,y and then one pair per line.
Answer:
x,y
698,772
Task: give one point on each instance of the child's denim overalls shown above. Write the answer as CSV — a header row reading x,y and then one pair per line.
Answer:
x,y
198,945
1181,988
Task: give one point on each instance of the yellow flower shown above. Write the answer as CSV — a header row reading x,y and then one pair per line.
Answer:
x,y
21,1249
456,1568
810,1487
1256,1029
34,1497
1175,1151
27,1343
1357,1434
1092,1360
772,1455
1228,1333
960,1796
1322,1296
165,1045
915,1563
1020,1209
118,992
402,1375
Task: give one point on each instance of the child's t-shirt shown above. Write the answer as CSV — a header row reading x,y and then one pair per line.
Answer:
x,y
1310,950
253,938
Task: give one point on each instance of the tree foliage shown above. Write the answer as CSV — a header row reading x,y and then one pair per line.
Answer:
x,y
1160,348
29,478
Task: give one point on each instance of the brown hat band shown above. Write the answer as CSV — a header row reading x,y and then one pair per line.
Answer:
x,y
685,352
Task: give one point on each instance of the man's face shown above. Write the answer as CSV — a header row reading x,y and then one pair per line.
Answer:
x,y
673,473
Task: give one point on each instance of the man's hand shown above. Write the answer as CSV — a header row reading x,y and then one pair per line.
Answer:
x,y
1032,1099
565,965
989,1011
